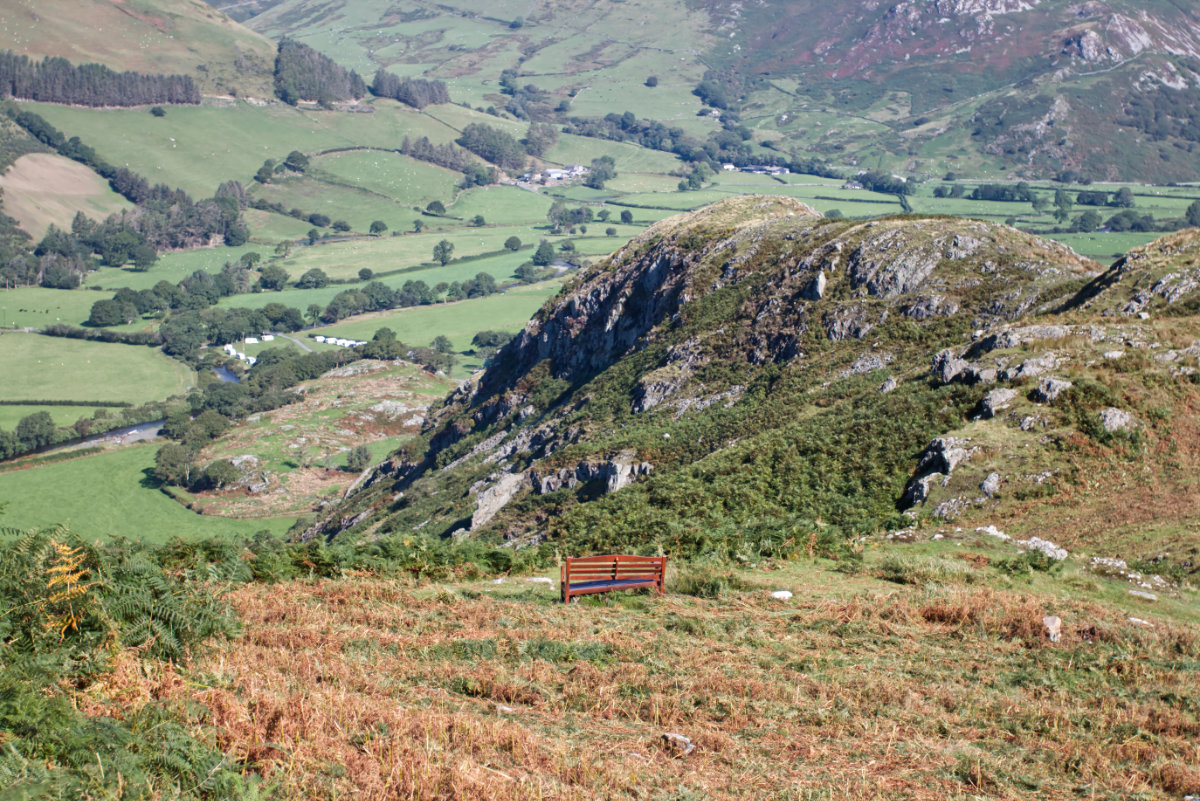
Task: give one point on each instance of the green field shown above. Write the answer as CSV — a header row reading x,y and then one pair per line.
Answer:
x,y
405,180
34,307
63,415
508,311
342,259
52,368
171,267
198,147
110,495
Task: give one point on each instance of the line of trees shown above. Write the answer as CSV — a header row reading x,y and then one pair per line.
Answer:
x,y
38,430
302,73
415,92
452,158
56,80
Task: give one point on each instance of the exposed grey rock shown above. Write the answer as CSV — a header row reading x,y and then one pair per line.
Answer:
x,y
975,374
867,363
943,455
623,471
992,531
947,365
1116,419
994,401
888,264
393,409
1050,388
991,485
852,322
1171,288
963,246
918,489
1032,368
1013,337
491,500
1149,596
617,474
930,306
816,288
1044,546
947,510
726,398
1117,569
1030,422
244,462
888,385
903,535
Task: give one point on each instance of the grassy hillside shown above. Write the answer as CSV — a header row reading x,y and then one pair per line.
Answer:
x,y
152,36
41,189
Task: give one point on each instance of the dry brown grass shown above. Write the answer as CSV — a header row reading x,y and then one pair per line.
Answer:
x,y
370,689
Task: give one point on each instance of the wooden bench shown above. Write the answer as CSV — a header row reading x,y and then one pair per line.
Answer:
x,y
589,574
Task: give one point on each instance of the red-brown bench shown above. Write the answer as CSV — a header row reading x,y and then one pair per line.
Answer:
x,y
589,574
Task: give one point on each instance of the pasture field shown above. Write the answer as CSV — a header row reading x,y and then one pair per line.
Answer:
x,y
572,149
53,368
503,205
270,228
197,147
404,179
500,267
342,259
1104,248
41,189
62,415
172,268
35,306
111,494
418,325
338,201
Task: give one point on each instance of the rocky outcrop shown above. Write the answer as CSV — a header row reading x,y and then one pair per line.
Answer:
x,y
1113,420
935,466
490,501
1049,388
995,401
616,473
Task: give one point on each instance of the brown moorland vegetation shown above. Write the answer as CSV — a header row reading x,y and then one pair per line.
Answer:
x,y
855,688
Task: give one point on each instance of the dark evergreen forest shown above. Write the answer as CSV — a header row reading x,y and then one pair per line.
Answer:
x,y
302,73
56,80
416,92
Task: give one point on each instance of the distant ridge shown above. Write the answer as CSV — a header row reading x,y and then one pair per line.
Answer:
x,y
186,37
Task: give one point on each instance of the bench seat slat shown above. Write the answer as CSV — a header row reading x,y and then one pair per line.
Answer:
x,y
612,585
592,574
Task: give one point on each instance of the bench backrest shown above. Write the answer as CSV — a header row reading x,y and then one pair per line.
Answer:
x,y
613,567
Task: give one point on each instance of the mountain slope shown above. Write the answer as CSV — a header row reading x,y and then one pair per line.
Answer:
x,y
752,373
151,36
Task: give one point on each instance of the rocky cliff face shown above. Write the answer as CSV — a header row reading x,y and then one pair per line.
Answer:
x,y
757,327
